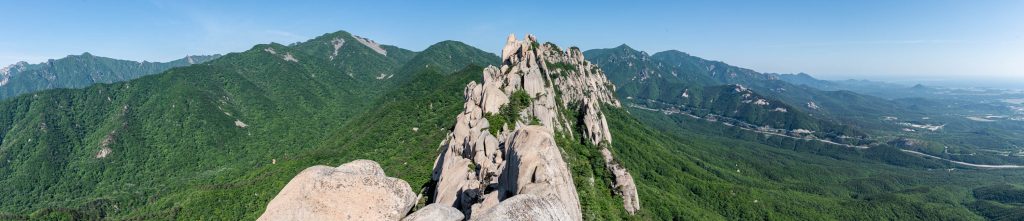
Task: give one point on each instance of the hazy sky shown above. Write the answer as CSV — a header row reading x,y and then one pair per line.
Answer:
x,y
885,39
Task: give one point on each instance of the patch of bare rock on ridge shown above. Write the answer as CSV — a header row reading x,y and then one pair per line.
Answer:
x,y
337,43
372,45
513,171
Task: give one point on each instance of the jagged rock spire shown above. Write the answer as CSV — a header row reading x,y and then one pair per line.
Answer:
x,y
509,47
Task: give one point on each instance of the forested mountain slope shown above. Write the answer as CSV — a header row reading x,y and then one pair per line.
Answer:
x,y
700,108
665,76
129,144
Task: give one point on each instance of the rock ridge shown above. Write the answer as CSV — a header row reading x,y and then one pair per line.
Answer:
x,y
481,168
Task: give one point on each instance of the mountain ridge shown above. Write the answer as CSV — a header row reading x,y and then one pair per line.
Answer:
x,y
77,71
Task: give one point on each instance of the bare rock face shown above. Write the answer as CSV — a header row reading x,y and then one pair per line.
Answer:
x,y
337,43
357,190
527,207
372,45
479,172
435,212
510,47
535,166
492,98
623,184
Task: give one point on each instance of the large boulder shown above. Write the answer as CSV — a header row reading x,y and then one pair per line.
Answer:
x,y
493,99
357,190
435,212
527,207
453,183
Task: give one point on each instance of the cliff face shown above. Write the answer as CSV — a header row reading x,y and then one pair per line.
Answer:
x,y
502,146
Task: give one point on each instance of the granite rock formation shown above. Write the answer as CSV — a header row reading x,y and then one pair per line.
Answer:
x,y
357,190
479,170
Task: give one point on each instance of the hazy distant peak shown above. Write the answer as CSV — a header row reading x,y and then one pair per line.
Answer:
x,y
624,47
673,54
77,71
449,43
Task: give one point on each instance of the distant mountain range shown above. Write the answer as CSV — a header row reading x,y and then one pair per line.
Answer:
x,y
679,78
78,71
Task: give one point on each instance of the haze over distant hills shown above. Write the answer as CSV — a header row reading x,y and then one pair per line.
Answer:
x,y
905,81
78,71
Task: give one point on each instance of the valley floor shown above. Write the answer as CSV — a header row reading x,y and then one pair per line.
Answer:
x,y
1005,166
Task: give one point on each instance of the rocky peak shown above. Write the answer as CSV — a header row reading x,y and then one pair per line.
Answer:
x,y
5,76
626,51
6,72
502,146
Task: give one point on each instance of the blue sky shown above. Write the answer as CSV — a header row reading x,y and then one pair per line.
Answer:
x,y
887,40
